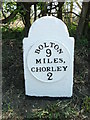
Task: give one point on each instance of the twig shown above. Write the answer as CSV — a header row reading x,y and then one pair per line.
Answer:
x,y
73,13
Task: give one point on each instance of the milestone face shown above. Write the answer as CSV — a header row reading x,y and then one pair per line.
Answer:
x,y
48,61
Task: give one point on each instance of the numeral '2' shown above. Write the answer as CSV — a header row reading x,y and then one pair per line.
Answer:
x,y
49,76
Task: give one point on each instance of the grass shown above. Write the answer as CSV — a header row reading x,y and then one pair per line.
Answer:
x,y
17,106
65,110
86,104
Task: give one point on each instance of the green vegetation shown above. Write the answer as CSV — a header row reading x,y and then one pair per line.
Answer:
x,y
86,104
72,30
57,111
14,33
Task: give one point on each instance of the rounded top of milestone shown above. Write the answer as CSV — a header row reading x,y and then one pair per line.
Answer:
x,y
48,61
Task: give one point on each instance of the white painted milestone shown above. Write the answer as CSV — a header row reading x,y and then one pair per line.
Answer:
x,y
48,59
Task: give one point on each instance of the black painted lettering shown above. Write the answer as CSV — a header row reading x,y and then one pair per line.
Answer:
x,y
59,68
45,44
56,47
38,69
49,53
49,76
43,69
48,61
40,47
60,60
37,51
38,61
65,67
52,44
33,69
60,51
55,60
64,62
53,69
44,60
48,69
